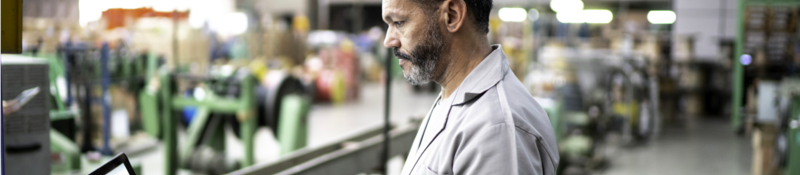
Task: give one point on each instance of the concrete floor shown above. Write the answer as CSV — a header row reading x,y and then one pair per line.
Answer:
x,y
700,148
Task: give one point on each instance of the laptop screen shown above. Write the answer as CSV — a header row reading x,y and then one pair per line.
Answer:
x,y
119,170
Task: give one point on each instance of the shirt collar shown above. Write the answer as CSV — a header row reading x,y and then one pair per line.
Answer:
x,y
490,71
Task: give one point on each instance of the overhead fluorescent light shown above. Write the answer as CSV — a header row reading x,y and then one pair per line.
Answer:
x,y
512,14
661,16
597,16
569,17
566,5
594,16
230,23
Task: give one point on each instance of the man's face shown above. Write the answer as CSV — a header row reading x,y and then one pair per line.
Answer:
x,y
416,38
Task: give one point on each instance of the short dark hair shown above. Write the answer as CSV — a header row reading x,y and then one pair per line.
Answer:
x,y
479,9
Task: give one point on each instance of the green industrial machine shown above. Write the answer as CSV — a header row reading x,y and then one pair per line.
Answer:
x,y
202,150
576,131
604,97
630,100
61,144
793,138
236,99
787,141
575,145
125,68
65,152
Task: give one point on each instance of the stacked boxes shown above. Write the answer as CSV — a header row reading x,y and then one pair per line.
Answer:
x,y
769,38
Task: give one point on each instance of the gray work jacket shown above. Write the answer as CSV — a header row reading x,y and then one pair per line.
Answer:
x,y
491,125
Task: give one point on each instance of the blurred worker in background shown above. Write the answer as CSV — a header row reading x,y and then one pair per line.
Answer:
x,y
484,121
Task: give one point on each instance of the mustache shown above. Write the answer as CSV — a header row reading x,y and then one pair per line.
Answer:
x,y
401,55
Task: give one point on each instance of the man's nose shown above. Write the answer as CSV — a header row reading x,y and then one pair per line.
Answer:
x,y
390,40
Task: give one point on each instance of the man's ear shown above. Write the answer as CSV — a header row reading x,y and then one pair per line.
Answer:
x,y
455,14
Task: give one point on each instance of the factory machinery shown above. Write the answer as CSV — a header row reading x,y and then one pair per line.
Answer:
x,y
76,82
604,96
59,75
787,141
214,102
237,99
766,86
204,108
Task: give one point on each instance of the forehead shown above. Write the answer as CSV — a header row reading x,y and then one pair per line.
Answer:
x,y
397,6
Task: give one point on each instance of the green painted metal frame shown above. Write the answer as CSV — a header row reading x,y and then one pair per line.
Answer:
x,y
200,120
169,130
738,69
244,108
148,107
293,124
791,88
793,159
148,102
62,144
158,106
70,150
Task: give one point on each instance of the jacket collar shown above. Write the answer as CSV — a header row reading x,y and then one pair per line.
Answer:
x,y
490,71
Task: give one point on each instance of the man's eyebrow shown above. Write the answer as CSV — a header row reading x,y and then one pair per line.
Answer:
x,y
388,17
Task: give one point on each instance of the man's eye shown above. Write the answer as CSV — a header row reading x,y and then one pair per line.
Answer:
x,y
398,23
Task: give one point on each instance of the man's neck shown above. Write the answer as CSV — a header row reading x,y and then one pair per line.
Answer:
x,y
462,60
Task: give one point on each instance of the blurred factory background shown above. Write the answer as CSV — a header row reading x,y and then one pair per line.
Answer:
x,y
691,87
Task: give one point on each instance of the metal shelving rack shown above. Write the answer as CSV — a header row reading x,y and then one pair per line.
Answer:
x,y
793,158
738,69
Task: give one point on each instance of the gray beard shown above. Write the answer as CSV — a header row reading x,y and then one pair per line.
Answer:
x,y
421,75
425,57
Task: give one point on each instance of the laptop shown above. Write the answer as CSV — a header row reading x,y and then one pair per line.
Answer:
x,y
119,165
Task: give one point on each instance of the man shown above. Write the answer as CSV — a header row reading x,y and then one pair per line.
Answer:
x,y
484,121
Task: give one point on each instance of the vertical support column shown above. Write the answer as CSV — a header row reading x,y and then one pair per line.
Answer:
x,y
794,137
248,122
2,140
248,128
175,38
11,26
68,58
151,69
386,107
170,135
105,98
738,72
322,14
292,124
84,103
